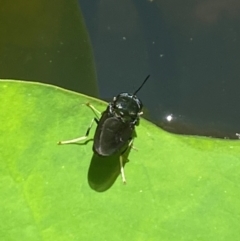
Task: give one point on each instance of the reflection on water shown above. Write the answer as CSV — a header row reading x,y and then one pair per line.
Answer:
x,y
46,41
180,124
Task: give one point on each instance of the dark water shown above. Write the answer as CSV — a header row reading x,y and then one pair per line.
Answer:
x,y
191,49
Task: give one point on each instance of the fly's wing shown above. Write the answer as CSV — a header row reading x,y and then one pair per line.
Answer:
x,y
111,135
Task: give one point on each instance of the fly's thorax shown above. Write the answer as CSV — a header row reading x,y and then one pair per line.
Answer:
x,y
127,107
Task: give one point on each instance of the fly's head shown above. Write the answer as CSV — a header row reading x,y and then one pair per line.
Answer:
x,y
127,107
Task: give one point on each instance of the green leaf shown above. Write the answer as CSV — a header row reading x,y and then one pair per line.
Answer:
x,y
178,187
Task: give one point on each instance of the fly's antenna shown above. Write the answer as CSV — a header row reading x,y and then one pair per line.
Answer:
x,y
141,85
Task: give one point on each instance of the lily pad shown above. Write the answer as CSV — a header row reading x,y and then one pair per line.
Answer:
x,y
178,187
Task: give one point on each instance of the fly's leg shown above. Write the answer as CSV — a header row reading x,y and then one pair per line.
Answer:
x,y
130,145
122,170
82,138
94,110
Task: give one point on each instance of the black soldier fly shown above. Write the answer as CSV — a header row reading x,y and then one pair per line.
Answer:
x,y
116,127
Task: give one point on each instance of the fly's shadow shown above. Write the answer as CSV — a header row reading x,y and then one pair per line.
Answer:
x,y
103,171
